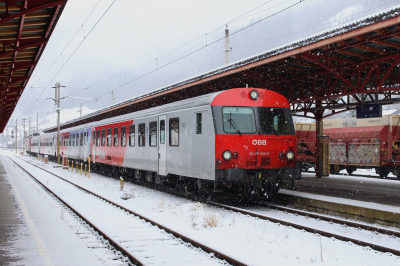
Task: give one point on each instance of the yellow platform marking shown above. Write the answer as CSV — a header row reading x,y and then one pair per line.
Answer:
x,y
35,233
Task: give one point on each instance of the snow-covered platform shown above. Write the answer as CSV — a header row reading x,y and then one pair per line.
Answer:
x,y
369,211
31,233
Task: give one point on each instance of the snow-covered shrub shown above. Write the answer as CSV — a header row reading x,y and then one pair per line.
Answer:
x,y
210,220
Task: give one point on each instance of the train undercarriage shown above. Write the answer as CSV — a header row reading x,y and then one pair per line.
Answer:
x,y
249,186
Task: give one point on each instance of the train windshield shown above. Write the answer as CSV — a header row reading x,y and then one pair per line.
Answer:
x,y
238,120
274,121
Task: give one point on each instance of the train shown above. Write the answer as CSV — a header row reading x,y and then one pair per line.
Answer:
x,y
366,143
240,141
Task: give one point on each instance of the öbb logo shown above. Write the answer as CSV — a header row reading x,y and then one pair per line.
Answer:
x,y
259,142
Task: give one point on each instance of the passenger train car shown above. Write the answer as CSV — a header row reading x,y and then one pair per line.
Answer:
x,y
240,140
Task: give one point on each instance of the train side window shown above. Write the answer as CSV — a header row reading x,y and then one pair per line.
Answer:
x,y
115,136
98,138
123,136
103,137
132,135
73,139
81,140
174,131
108,136
162,131
198,123
84,138
153,134
94,138
142,134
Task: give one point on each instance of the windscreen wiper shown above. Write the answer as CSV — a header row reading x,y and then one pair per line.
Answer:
x,y
234,126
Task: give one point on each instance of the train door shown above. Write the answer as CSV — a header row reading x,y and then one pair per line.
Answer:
x,y
162,147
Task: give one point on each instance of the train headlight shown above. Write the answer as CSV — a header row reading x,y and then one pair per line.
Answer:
x,y
254,94
235,155
227,155
290,155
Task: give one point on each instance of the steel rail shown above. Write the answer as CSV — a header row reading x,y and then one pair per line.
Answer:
x,y
304,213
361,175
112,242
195,243
309,229
335,220
283,222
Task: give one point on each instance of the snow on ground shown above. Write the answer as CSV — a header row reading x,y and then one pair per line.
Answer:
x,y
42,238
248,239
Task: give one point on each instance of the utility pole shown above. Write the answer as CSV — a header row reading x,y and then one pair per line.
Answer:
x,y
80,109
16,135
23,150
37,122
112,97
227,49
57,102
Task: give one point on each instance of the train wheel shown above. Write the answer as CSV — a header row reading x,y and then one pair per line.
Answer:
x,y
350,170
382,172
384,175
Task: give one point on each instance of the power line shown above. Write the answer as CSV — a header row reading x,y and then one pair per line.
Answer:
x,y
81,27
74,51
185,44
214,42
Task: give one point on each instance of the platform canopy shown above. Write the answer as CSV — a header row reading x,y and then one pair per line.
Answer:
x,y
338,69
25,29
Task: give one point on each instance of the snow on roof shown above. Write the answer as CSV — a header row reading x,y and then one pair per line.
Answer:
x,y
362,22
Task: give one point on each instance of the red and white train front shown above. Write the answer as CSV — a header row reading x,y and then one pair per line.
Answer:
x,y
255,142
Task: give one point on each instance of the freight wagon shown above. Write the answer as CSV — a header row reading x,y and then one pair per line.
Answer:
x,y
368,143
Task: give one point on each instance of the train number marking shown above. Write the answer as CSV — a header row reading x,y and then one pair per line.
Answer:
x,y
259,142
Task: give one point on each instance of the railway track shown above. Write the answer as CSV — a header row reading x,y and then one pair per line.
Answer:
x,y
316,230
138,238
306,215
360,175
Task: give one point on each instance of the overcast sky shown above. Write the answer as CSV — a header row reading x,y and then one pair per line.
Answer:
x,y
132,33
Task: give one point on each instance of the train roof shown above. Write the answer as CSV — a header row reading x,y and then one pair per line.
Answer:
x,y
187,103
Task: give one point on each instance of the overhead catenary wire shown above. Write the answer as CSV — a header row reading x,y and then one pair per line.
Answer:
x,y
201,48
184,56
74,51
177,59
183,45
66,46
